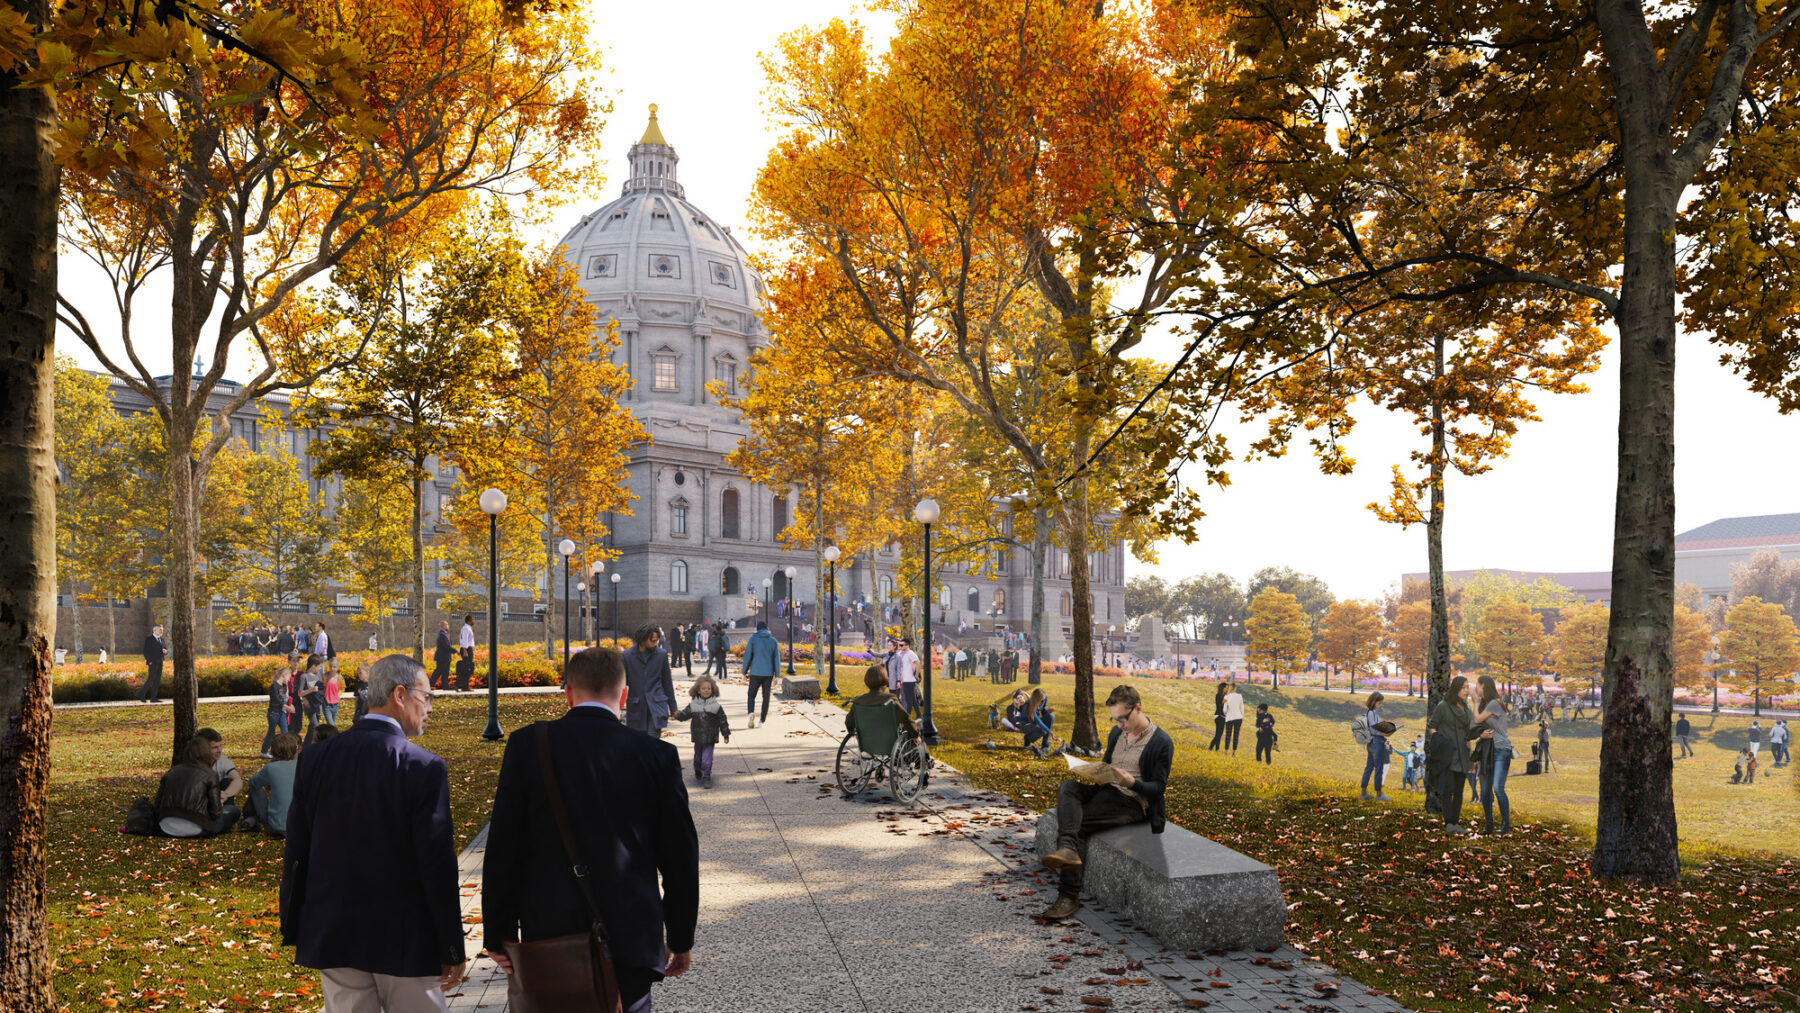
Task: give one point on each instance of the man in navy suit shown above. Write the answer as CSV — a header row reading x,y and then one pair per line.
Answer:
x,y
629,812
368,881
440,656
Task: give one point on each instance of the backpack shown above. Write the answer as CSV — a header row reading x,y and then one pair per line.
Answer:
x,y
1359,729
140,819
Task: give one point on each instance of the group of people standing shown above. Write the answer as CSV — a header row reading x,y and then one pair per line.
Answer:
x,y
1455,724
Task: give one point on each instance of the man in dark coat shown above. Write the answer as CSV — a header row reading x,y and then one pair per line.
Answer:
x,y
440,657
628,811
284,641
652,696
368,881
154,651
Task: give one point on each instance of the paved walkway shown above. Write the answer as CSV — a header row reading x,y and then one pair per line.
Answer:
x,y
813,903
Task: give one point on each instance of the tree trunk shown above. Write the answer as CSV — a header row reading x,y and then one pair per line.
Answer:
x,y
112,628
1635,832
1437,650
1084,733
418,567
28,196
179,572
75,625
550,614
1040,541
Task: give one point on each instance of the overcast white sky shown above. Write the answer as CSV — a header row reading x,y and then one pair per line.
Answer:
x,y
1549,506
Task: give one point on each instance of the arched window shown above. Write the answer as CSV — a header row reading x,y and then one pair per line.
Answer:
x,y
781,517
728,582
678,517
887,588
999,601
974,600
728,511
780,589
1067,605
678,577
943,597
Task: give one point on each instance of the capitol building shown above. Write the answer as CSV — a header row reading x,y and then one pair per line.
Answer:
x,y
702,538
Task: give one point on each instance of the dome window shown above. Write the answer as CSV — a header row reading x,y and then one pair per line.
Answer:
x,y
663,265
601,265
722,274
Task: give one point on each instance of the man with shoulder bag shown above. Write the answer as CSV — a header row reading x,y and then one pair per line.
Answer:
x,y
588,817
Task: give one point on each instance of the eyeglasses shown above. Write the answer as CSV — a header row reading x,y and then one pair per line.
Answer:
x,y
422,694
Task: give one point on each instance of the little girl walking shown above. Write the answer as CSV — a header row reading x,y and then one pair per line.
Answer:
x,y
709,725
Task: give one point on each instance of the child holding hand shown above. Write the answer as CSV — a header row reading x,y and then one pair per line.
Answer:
x,y
709,725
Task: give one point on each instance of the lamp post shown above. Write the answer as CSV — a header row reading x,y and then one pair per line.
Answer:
x,y
493,502
831,556
790,572
567,548
1111,632
767,583
595,570
926,513
615,608
581,589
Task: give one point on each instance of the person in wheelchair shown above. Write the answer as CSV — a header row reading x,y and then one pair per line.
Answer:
x,y
878,696
881,743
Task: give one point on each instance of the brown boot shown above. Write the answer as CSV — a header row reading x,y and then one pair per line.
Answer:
x,y
1064,907
1064,857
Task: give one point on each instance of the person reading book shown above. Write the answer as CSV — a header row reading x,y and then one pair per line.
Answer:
x,y
1126,787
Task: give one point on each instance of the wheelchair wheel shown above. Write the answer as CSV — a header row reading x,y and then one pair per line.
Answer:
x,y
910,770
854,770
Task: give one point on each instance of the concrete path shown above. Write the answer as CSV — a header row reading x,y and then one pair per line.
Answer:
x,y
813,903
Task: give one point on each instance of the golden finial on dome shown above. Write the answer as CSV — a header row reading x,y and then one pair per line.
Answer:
x,y
653,133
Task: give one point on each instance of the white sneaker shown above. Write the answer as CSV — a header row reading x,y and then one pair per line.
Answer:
x,y
753,721
1383,798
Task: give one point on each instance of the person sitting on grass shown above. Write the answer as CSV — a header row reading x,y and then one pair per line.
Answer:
x,y
876,680
1140,755
1014,718
187,800
1745,771
272,787
1039,719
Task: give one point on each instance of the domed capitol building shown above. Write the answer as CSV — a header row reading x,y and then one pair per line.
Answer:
x,y
702,538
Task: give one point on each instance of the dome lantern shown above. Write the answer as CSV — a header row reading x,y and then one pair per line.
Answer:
x,y
653,161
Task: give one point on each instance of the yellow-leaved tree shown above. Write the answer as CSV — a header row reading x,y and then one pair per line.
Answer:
x,y
1581,646
1760,642
1511,640
1350,637
1278,631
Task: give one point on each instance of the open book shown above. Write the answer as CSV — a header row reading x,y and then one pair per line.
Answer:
x,y
1088,770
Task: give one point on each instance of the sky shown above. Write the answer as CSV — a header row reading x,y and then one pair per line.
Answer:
x,y
1548,506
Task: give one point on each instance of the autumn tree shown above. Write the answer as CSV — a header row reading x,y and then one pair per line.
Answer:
x,y
1314,596
1580,653
460,547
1412,637
288,540
1351,637
93,518
1693,641
1481,591
373,547
1760,642
1278,629
1511,638
1768,576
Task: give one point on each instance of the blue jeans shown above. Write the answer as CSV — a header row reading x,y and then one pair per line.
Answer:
x,y
331,710
277,726
1371,769
1494,787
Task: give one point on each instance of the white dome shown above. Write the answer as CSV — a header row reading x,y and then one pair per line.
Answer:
x,y
651,255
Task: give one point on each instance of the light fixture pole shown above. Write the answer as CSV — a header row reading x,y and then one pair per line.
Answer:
x,y
493,503
595,570
615,608
767,583
567,548
925,513
789,573
581,589
831,556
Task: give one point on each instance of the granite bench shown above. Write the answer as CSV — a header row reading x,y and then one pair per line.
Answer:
x,y
1190,892
800,687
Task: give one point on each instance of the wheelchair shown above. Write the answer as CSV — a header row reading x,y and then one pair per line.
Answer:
x,y
876,749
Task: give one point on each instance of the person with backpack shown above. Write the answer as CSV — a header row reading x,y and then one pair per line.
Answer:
x,y
1363,733
1382,754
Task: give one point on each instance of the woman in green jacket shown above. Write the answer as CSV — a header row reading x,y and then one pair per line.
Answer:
x,y
1450,729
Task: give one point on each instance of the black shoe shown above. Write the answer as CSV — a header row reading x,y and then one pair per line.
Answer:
x,y
706,782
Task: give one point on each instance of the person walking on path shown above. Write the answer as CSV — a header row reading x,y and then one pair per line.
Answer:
x,y
909,679
1371,718
1234,715
154,652
1682,730
762,659
1140,755
709,725
1218,715
638,870
440,657
1449,732
650,697
1498,762
465,649
1265,734
368,879
690,643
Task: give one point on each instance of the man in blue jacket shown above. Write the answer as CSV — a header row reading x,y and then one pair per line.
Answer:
x,y
762,659
368,880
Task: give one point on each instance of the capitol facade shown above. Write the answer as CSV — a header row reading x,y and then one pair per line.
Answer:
x,y
702,538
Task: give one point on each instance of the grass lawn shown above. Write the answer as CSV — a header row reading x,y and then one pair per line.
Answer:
x,y
143,923
1377,891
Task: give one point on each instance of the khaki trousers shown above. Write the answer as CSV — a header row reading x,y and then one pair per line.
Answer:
x,y
348,990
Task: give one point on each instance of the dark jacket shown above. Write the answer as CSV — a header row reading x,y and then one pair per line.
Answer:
x,y
762,654
190,792
880,698
369,876
710,723
1451,731
652,689
154,650
284,643
1153,772
445,650
629,811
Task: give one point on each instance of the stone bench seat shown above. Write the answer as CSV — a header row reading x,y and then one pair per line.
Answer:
x,y
1190,892
800,687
